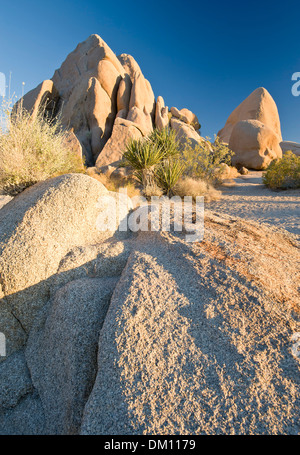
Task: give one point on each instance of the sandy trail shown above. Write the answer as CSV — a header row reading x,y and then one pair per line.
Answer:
x,y
250,199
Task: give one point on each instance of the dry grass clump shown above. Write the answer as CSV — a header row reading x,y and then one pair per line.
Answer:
x,y
228,172
33,150
189,186
152,191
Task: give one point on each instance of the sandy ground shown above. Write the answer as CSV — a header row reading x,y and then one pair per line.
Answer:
x,y
250,199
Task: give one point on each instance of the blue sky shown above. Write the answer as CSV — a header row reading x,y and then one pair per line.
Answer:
x,y
204,55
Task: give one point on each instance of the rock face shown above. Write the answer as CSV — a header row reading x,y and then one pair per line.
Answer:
x,y
181,353
44,96
21,409
4,200
254,145
292,146
93,91
185,132
186,116
186,124
88,82
259,106
62,350
37,229
123,131
161,114
15,380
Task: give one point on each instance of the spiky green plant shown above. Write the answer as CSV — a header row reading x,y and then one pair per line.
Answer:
x,y
142,156
168,173
166,139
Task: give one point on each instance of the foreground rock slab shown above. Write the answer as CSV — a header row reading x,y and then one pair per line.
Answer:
x,y
207,351
37,230
62,351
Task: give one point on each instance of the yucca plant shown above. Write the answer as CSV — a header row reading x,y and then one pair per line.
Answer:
x,y
168,174
167,140
145,155
142,156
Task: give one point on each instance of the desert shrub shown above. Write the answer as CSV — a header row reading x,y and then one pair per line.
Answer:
x,y
152,191
188,186
148,156
33,150
283,173
160,161
204,161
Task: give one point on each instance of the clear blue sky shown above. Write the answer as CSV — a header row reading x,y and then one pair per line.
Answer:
x,y
204,55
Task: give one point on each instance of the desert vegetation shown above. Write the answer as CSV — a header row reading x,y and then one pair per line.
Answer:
x,y
32,149
163,166
283,173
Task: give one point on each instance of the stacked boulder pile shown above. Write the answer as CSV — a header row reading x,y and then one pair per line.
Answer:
x,y
104,101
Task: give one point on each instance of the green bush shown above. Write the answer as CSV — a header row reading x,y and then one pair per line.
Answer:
x,y
283,173
159,160
204,161
32,150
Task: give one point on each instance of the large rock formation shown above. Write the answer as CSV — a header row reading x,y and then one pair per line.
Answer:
x,y
37,230
254,145
186,116
260,106
186,133
94,90
292,146
91,89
